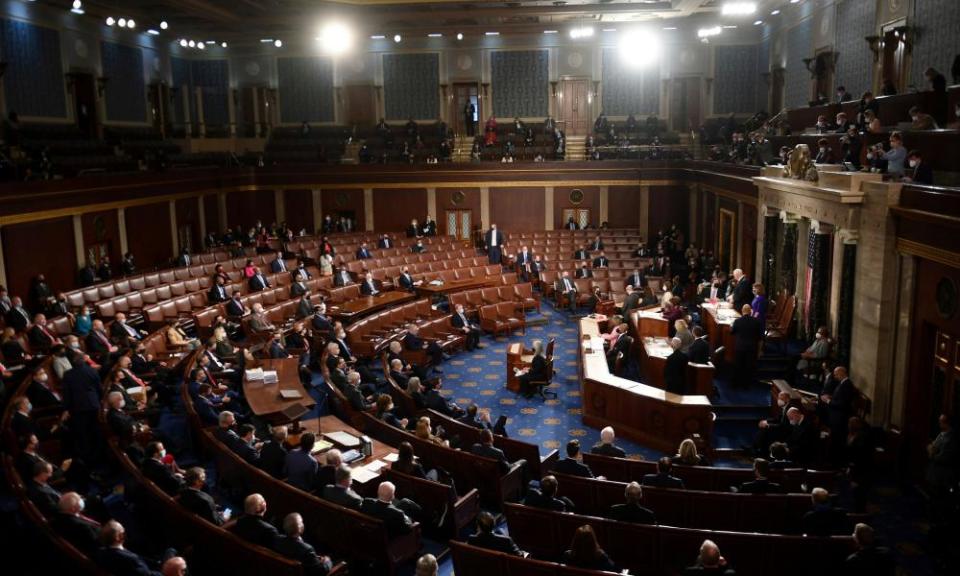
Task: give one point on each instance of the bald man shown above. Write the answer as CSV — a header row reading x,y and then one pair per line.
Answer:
x,y
175,566
709,561
383,507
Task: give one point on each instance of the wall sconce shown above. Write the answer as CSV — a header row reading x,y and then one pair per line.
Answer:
x,y
485,86
876,43
808,62
553,88
903,33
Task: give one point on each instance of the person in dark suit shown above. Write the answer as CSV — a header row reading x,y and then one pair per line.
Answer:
x,y
276,348
486,449
406,280
278,266
632,510
536,372
340,492
193,498
158,471
44,496
620,346
354,396
116,559
582,254
606,446
824,519
568,288
636,280
81,388
742,290
246,445
775,428
937,81
801,437
123,333
748,333
292,546
385,242
493,241
217,292
583,271
601,261
586,553
709,561
342,277
546,496
675,369
369,286
470,330
571,464
258,281
869,559
413,342
17,317
413,230
235,307
363,253
252,527
39,391
74,527
597,244
838,395
273,455
760,483
699,351
663,479
631,301
41,338
301,465
395,520
488,537
921,172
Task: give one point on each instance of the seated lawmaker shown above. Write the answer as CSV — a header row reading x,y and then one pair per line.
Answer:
x,y
824,519
606,446
662,478
487,536
761,483
709,561
688,456
413,342
397,521
292,546
195,499
632,509
586,553
115,558
470,330
369,286
546,496
571,464
252,527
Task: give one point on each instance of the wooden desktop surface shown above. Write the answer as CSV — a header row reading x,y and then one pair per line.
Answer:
x,y
718,319
264,399
366,304
427,289
327,424
643,413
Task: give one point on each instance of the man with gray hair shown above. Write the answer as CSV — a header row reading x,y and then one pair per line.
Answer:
x,y
632,509
869,558
354,396
292,546
675,369
114,557
76,528
175,566
396,520
709,561
606,446
252,527
824,519
427,565
340,492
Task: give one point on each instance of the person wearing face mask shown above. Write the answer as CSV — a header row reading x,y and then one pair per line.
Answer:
x,y
922,120
896,156
920,172
822,126
824,152
867,102
39,391
774,428
800,437
156,470
816,352
851,147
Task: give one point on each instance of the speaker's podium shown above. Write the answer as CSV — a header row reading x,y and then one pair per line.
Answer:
x,y
515,361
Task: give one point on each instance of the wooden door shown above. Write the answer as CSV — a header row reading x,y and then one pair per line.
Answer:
x,y
361,105
459,223
894,59
85,104
685,104
824,73
463,94
573,105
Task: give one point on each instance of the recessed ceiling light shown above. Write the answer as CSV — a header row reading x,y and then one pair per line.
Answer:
x,y
223,44
110,21
774,13
278,43
397,38
122,22
435,35
192,43
491,33
549,31
266,40
758,22
707,32
183,42
131,24
201,46
459,35
377,37
669,27
738,8
153,32
730,27
164,25
609,29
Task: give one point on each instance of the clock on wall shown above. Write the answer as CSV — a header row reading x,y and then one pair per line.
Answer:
x,y
576,196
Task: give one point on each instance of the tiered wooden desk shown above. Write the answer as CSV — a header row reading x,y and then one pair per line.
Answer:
x,y
642,413
364,305
718,320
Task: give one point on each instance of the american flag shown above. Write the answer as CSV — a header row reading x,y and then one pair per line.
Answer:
x,y
808,290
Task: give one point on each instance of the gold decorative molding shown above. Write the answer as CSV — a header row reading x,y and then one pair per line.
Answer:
x,y
939,255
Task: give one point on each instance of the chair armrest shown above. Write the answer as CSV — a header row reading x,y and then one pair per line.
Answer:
x,y
511,484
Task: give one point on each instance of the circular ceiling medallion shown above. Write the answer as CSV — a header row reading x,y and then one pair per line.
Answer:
x,y
464,62
946,297
252,68
575,59
80,47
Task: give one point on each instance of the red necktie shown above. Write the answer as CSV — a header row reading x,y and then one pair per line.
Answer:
x,y
103,338
213,381
53,339
133,377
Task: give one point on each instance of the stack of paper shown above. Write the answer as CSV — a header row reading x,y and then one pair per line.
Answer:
x,y
255,374
269,376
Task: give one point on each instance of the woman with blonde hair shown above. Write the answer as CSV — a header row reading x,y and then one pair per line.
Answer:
x,y
425,432
687,454
684,334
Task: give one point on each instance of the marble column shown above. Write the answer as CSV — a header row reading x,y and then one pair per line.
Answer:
x,y
548,208
122,229
174,236
202,217
78,240
318,210
604,205
278,205
485,208
643,226
368,209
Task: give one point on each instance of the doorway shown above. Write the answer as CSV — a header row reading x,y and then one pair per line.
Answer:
x,y
685,104
574,100
158,94
85,103
465,94
894,55
580,215
459,224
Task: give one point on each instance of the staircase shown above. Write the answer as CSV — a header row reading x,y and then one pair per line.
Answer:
x,y
576,148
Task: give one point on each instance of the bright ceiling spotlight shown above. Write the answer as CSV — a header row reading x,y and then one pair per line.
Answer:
x,y
164,25
201,46
335,38
153,32
278,43
122,22
581,32
131,24
192,44
459,35
223,44
708,32
738,8
183,42
110,21
397,38
639,48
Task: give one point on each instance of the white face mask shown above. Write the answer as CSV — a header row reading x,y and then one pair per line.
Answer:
x,y
163,454
822,150
869,156
818,336
42,378
781,403
913,163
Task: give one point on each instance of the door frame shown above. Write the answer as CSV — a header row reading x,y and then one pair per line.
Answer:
x,y
568,129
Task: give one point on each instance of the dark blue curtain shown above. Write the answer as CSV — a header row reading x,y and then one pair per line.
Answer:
x,y
306,89
845,321
818,281
213,79
180,69
33,83
521,83
411,84
788,256
627,90
125,92
736,76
